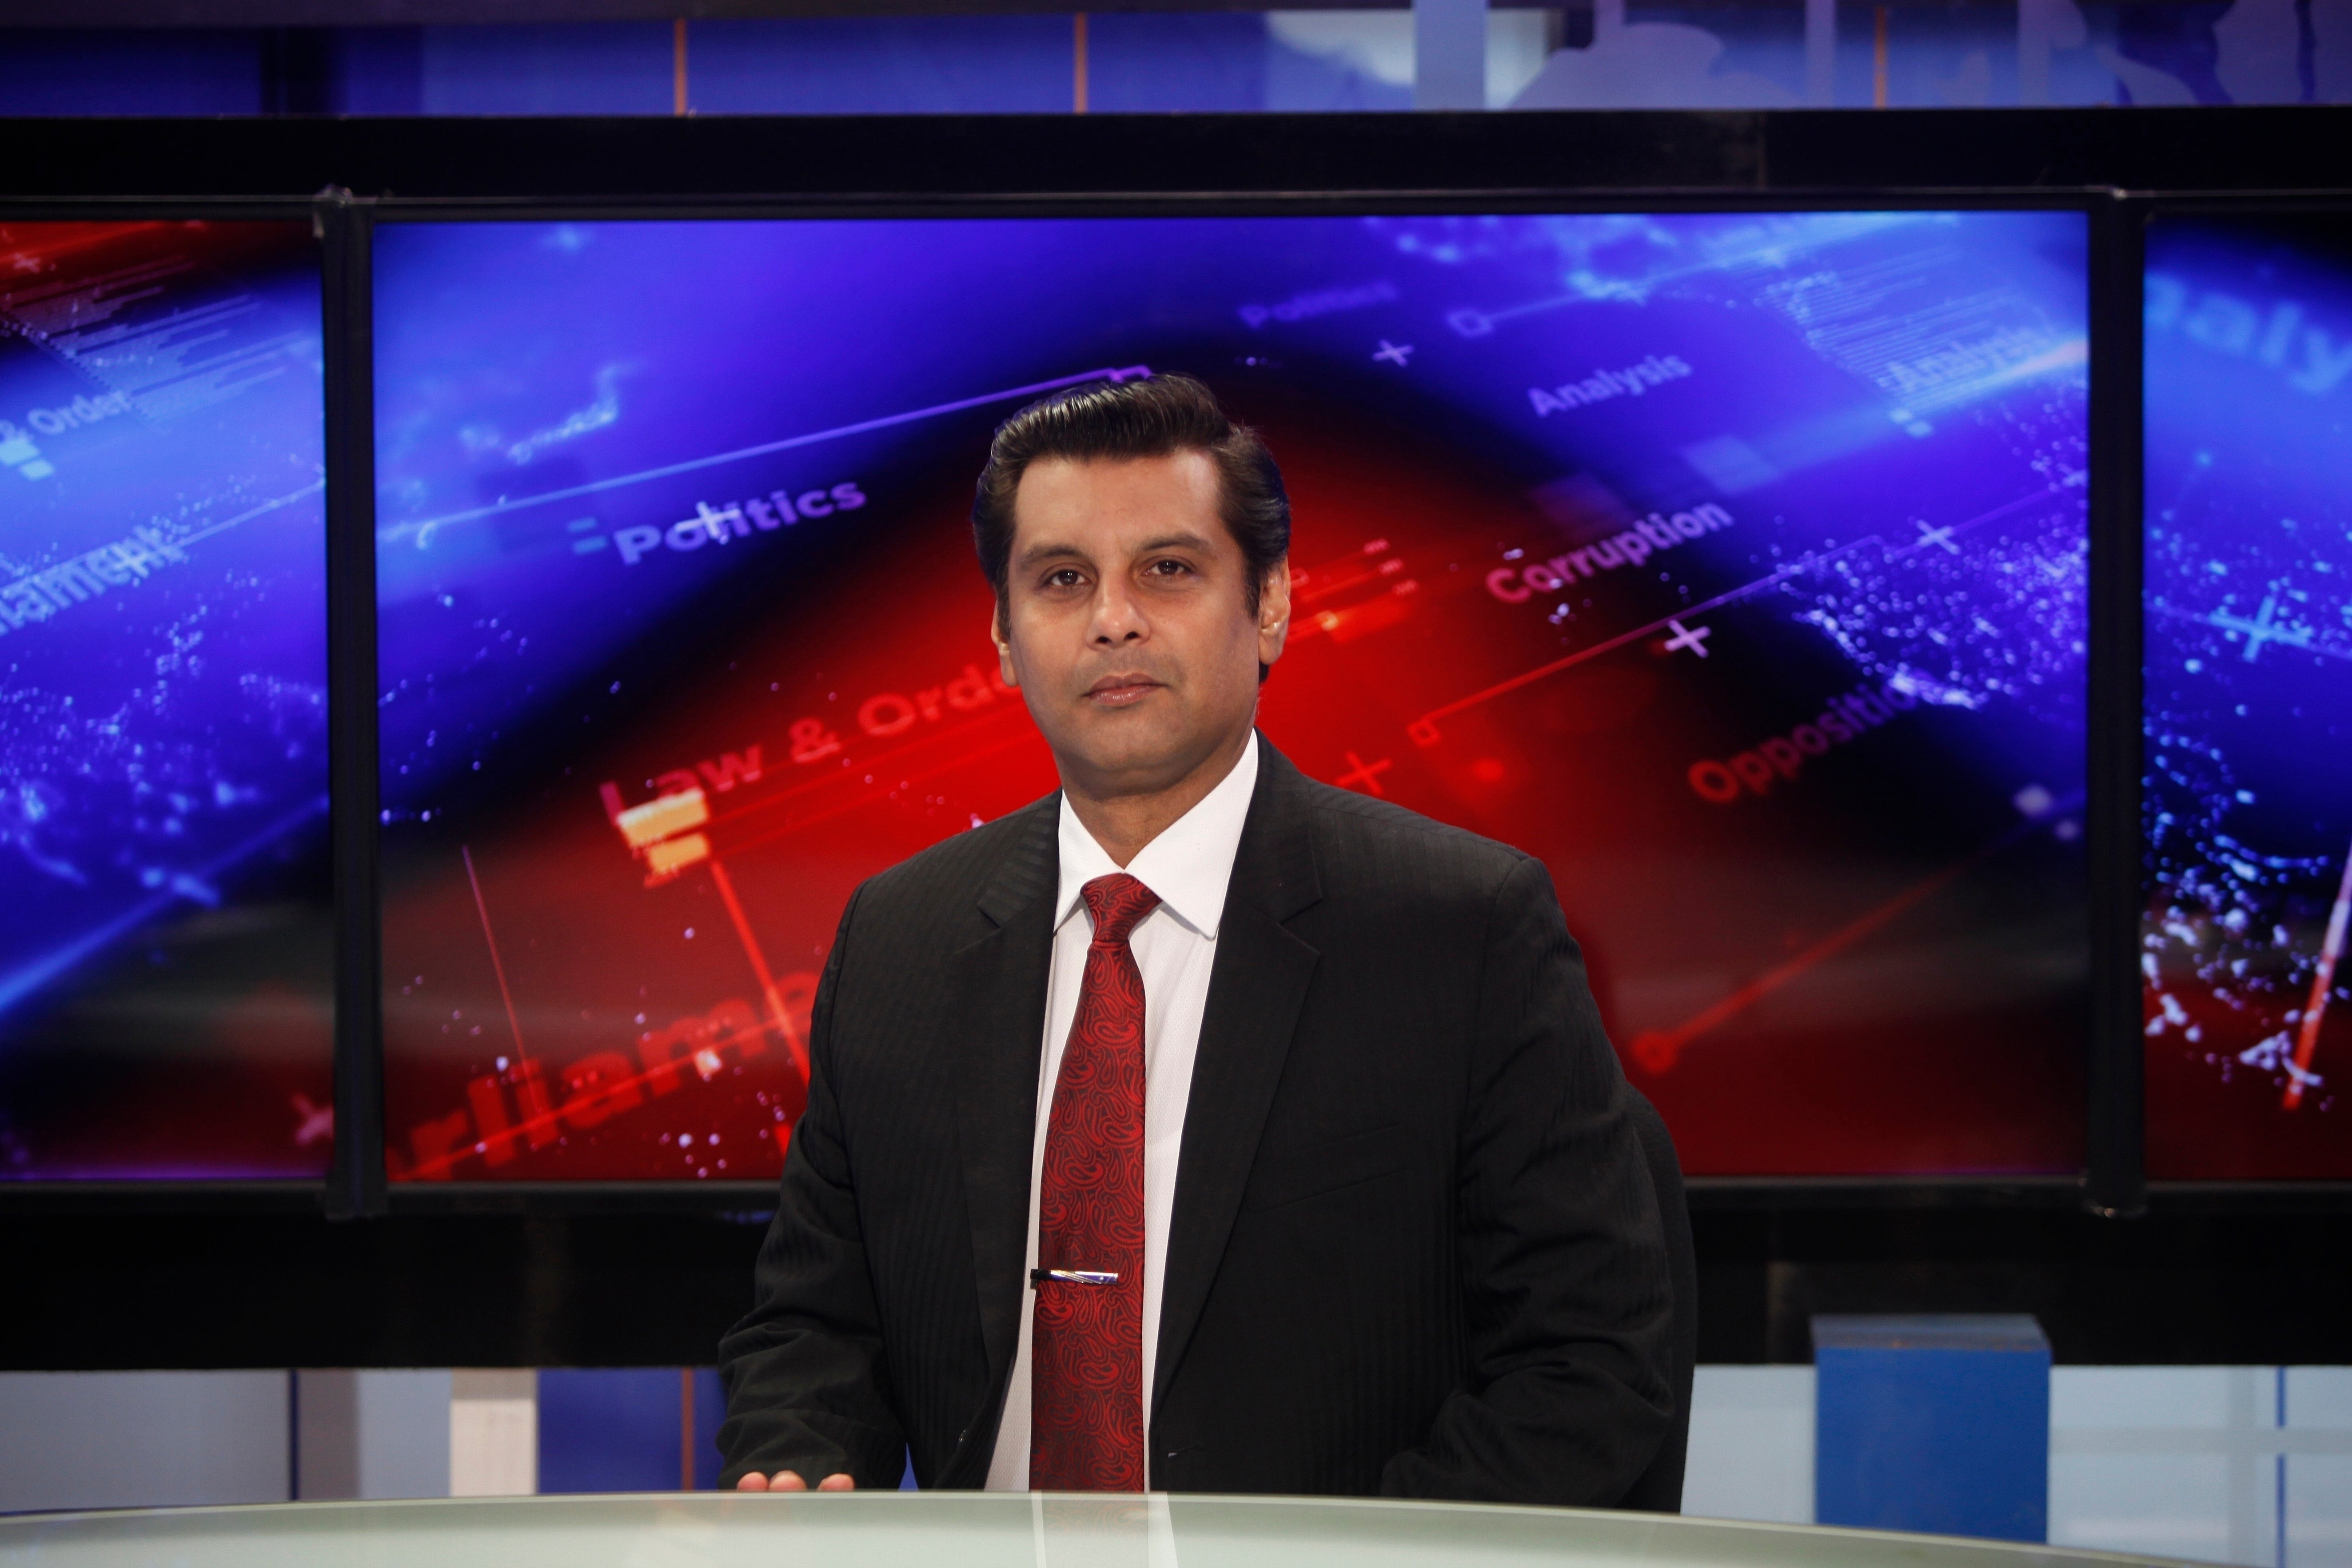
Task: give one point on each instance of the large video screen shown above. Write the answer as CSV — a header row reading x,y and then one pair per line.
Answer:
x,y
166,918
1733,564
2246,804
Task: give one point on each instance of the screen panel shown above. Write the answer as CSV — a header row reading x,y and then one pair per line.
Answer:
x,y
2246,813
1734,564
165,914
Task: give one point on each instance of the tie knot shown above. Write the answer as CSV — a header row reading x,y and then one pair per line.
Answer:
x,y
1117,903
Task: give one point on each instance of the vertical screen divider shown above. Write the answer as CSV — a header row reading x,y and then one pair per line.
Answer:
x,y
355,1185
2116,1176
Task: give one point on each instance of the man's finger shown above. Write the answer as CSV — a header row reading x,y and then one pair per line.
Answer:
x,y
754,1483
838,1482
787,1481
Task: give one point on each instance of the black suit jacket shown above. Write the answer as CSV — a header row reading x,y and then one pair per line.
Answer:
x,y
1414,1247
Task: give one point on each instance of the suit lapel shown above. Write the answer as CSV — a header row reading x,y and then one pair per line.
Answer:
x,y
1255,990
994,1030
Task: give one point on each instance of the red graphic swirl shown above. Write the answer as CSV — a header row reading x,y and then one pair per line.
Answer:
x,y
1086,1385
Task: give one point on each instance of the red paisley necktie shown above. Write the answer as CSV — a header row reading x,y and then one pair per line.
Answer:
x,y
1086,1388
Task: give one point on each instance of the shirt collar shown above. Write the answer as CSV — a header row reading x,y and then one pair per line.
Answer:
x,y
1191,863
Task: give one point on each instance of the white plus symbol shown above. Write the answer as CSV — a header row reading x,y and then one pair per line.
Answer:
x,y
1942,536
2261,629
1691,637
1393,352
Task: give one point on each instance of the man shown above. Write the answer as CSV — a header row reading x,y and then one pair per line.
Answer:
x,y
1201,1127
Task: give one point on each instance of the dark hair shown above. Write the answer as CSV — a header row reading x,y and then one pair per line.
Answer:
x,y
1155,416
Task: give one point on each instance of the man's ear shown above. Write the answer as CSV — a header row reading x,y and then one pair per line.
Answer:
x,y
1274,612
1004,641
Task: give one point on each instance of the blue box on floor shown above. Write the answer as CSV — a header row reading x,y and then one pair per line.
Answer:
x,y
1933,1423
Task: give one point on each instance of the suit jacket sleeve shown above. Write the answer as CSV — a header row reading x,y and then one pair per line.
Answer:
x,y
1562,1256
807,1386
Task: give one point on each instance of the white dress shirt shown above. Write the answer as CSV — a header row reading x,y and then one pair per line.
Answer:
x,y
1189,866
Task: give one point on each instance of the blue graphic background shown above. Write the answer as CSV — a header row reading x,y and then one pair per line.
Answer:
x,y
651,492
163,925
541,387
2248,798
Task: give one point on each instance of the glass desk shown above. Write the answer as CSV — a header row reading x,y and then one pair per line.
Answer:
x,y
962,1529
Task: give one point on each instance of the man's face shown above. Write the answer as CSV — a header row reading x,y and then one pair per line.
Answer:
x,y
1127,622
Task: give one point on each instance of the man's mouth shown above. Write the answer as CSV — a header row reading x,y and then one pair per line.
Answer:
x,y
1120,691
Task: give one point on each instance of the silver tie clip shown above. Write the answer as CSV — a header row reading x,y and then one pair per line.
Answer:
x,y
1072,1276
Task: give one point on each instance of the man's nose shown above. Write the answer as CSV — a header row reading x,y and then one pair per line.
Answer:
x,y
1117,618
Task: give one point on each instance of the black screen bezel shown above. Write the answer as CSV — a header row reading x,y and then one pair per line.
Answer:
x,y
2111,1181
333,233
2141,212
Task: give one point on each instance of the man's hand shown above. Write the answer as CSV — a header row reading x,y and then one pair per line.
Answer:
x,y
790,1481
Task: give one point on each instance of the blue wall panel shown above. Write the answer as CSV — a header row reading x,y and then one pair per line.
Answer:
x,y
163,71
1198,62
609,1429
710,1410
884,65
379,70
585,67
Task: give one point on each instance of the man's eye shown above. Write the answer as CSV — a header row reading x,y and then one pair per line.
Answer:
x,y
1167,568
1068,578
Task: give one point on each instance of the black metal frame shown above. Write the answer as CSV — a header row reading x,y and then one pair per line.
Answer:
x,y
2113,1182
358,1181
2101,208
1727,1195
2173,1197
266,1195
559,1197
2117,1181
1410,201
723,157
1752,1195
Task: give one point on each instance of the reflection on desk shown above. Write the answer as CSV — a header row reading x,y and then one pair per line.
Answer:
x,y
968,1529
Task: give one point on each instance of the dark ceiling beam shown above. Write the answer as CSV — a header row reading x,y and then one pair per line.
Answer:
x,y
108,13
723,156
